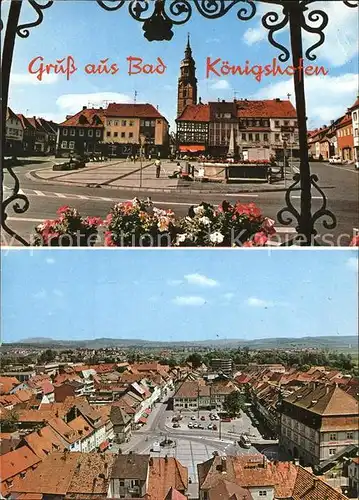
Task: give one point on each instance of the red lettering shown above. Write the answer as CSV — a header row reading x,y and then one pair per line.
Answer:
x,y
210,67
134,64
39,70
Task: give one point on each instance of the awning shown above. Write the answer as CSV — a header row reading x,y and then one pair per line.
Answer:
x,y
148,411
195,148
104,445
143,420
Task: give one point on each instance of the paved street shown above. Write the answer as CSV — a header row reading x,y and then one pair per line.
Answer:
x,y
340,184
192,446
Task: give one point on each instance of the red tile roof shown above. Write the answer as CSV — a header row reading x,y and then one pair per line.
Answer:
x,y
355,105
8,383
132,111
86,118
164,474
195,113
14,462
270,108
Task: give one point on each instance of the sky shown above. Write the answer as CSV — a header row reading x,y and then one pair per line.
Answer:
x,y
177,295
88,33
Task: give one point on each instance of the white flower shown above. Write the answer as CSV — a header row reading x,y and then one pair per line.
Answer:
x,y
40,227
216,237
198,210
205,221
136,202
181,238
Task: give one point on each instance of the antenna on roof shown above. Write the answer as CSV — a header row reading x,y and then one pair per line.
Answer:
x,y
135,98
289,96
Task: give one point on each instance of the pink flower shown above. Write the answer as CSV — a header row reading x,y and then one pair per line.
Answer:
x,y
248,244
268,226
108,239
63,209
355,241
93,221
260,239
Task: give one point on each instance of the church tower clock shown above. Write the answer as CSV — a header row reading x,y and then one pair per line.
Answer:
x,y
187,82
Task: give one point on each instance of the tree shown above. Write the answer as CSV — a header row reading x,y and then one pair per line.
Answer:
x,y
47,356
196,360
234,403
9,421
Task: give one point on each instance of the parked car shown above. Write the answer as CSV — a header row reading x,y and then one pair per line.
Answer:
x,y
214,428
336,160
156,447
195,425
176,425
193,417
200,426
255,422
210,426
244,441
203,418
190,425
226,419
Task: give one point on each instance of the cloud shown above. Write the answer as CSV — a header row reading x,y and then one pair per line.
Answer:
x,y
255,302
200,280
41,294
50,260
352,263
340,92
174,282
220,85
228,296
71,103
29,79
213,40
189,301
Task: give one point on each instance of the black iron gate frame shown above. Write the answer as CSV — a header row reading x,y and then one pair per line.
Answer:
x,y
158,18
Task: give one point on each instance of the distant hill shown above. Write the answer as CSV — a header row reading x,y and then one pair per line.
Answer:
x,y
325,342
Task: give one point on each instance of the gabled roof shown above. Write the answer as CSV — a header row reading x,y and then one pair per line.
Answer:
x,y
119,416
195,113
165,474
43,442
25,122
7,384
131,466
89,117
324,400
355,105
269,108
17,461
132,111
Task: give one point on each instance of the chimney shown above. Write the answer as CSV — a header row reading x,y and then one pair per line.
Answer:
x,y
223,465
166,459
84,107
296,461
151,461
265,462
200,100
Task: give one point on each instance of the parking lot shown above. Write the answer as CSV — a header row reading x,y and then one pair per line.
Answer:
x,y
235,427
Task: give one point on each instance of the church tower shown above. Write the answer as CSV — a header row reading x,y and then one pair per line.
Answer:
x,y
187,82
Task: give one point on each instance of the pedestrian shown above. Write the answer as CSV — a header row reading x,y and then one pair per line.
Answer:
x,y
150,157
136,158
132,158
158,168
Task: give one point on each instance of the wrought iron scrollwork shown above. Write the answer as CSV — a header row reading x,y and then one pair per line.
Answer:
x,y
331,221
213,9
287,214
290,209
22,30
272,22
14,200
314,16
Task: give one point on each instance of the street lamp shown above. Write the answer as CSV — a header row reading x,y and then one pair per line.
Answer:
x,y
142,142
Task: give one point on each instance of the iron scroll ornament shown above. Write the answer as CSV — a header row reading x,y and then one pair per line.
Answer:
x,y
158,18
287,214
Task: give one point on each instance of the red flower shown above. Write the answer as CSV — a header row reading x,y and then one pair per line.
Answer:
x,y
248,244
355,241
63,209
108,239
93,221
260,239
268,226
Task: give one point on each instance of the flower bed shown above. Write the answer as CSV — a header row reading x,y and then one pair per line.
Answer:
x,y
69,229
138,223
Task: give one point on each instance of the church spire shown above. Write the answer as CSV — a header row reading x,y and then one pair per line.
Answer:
x,y
187,82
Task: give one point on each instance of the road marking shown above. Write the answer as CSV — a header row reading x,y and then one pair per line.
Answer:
x,y
313,198
242,195
342,168
25,219
39,193
81,197
60,195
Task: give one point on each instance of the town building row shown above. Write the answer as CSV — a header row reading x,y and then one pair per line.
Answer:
x,y
340,138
